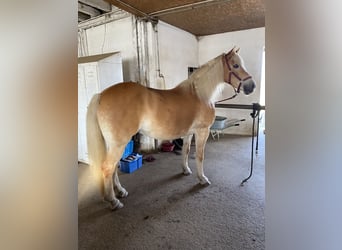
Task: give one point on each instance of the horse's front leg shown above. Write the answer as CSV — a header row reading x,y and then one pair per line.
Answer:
x,y
122,192
201,139
185,153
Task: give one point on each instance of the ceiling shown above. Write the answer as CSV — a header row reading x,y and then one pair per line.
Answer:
x,y
199,17
91,8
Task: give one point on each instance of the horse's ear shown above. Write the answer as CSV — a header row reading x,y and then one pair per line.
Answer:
x,y
237,50
231,51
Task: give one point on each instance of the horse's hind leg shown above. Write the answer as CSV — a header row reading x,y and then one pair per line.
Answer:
x,y
109,166
201,139
185,152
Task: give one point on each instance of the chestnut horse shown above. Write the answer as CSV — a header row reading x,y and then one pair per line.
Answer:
x,y
122,110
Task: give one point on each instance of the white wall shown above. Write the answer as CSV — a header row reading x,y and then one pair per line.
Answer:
x,y
178,50
251,43
117,36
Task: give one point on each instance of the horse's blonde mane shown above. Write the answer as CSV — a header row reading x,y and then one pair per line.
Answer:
x,y
207,80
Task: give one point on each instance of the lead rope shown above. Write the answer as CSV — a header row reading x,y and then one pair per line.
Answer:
x,y
229,98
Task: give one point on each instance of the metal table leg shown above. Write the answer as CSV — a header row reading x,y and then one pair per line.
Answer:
x,y
254,114
257,142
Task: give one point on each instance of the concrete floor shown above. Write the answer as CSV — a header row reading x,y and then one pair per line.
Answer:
x,y
166,210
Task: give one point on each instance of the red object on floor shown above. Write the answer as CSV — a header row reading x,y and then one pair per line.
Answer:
x,y
167,147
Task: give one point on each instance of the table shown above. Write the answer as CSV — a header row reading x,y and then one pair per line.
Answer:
x,y
255,107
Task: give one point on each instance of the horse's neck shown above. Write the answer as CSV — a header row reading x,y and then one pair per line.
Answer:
x,y
186,87
208,83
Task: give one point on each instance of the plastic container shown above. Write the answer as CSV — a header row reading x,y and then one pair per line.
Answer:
x,y
131,163
167,147
128,149
140,159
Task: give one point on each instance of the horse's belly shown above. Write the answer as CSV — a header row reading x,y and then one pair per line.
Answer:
x,y
165,131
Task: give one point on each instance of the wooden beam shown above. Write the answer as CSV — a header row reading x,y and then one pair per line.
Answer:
x,y
126,7
99,4
186,7
88,10
82,16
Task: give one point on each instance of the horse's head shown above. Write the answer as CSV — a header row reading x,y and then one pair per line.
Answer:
x,y
235,73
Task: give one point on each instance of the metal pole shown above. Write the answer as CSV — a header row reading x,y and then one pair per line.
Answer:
x,y
257,142
252,151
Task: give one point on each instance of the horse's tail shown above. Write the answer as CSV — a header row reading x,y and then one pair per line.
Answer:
x,y
95,141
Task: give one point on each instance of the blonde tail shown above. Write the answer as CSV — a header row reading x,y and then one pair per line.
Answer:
x,y
95,141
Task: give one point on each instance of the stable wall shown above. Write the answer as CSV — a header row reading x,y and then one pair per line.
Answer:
x,y
116,36
251,43
178,50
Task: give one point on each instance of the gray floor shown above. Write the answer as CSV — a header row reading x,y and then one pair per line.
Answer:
x,y
166,210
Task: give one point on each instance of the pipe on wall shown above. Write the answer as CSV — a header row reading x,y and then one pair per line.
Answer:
x,y
160,75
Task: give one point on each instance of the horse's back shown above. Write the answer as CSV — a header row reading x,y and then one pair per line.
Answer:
x,y
121,91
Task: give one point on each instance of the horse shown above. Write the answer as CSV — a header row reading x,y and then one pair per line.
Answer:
x,y
122,110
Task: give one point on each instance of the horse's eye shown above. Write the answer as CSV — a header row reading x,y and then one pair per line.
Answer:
x,y
235,65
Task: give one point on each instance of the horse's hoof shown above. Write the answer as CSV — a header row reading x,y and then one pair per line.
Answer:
x,y
123,193
115,204
205,182
187,172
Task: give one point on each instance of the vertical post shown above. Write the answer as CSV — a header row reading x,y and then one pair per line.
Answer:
x,y
253,114
257,142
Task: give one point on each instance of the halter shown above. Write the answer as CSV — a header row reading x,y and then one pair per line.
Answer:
x,y
228,77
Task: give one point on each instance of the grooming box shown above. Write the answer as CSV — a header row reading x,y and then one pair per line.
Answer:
x,y
131,163
128,149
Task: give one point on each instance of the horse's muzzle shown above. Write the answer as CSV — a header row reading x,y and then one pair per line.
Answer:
x,y
248,86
